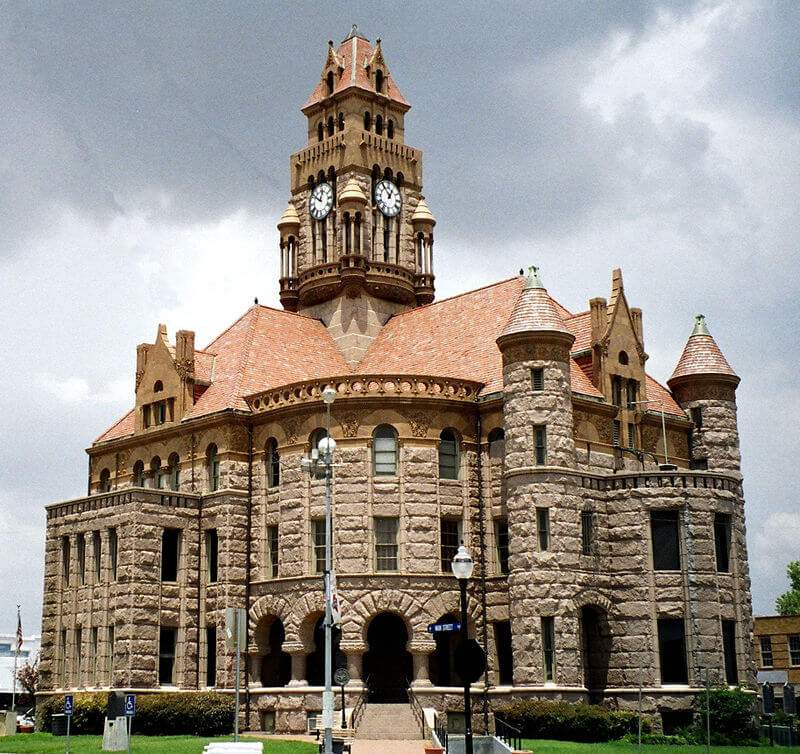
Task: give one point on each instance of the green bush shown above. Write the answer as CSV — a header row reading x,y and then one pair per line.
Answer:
x,y
655,738
732,714
563,721
171,714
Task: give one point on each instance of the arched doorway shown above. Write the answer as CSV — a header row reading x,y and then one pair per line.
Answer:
x,y
315,661
441,664
276,665
596,642
388,667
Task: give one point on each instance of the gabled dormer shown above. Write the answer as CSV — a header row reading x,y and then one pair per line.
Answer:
x,y
166,381
618,359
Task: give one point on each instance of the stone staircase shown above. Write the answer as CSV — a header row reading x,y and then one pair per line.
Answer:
x,y
385,722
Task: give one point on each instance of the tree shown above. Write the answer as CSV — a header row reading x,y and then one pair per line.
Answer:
x,y
789,602
28,676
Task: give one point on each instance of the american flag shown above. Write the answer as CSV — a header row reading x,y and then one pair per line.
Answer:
x,y
19,632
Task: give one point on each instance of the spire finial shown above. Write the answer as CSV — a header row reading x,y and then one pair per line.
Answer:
x,y
353,32
533,280
700,327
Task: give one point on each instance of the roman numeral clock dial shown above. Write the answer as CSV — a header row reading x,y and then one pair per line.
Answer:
x,y
321,201
387,197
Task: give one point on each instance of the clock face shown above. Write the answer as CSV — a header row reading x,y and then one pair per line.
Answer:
x,y
387,197
320,201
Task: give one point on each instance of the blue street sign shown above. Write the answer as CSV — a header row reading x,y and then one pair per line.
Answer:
x,y
69,705
442,628
130,704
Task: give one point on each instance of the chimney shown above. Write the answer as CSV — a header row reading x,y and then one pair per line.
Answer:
x,y
599,317
184,352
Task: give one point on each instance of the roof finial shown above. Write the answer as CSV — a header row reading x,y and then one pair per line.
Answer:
x,y
533,280
700,327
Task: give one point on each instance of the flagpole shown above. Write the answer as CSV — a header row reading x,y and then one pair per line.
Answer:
x,y
18,645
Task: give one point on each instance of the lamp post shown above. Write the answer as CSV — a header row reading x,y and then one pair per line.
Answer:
x,y
462,566
323,457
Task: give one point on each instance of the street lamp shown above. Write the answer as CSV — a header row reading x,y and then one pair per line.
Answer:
x,y
322,457
462,566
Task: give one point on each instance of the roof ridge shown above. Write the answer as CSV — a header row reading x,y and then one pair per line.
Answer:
x,y
458,295
244,362
231,326
578,314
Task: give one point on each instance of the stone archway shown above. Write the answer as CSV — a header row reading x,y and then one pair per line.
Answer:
x,y
274,665
596,650
388,666
315,659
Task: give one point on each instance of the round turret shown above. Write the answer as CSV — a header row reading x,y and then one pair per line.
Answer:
x,y
289,228
290,220
423,217
352,193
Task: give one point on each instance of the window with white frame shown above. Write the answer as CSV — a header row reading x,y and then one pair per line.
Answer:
x,y
386,543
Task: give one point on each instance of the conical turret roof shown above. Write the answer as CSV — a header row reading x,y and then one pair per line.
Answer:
x,y
352,192
289,216
534,311
702,356
423,213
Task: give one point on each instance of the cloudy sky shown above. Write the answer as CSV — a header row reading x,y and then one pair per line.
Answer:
x,y
144,161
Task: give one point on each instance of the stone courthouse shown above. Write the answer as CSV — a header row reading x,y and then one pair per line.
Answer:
x,y
603,509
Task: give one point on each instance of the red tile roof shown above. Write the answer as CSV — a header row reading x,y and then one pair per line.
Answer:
x,y
534,311
702,356
355,75
581,327
454,337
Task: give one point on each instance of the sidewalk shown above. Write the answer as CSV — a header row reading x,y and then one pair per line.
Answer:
x,y
388,747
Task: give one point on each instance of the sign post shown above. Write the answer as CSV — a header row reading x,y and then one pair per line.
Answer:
x,y
69,708
130,711
235,637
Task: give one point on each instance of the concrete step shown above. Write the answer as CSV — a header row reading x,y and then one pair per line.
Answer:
x,y
388,722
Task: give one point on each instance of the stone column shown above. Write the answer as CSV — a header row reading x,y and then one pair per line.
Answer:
x,y
354,652
298,654
420,652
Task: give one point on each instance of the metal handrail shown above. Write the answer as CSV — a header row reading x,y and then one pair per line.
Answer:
x,y
358,710
419,712
440,729
508,733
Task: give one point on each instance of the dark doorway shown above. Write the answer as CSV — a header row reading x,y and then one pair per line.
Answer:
x,y
441,663
276,665
315,662
505,653
388,667
596,651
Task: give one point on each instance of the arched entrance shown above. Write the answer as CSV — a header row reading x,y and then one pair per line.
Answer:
x,y
315,661
441,665
388,666
276,665
596,642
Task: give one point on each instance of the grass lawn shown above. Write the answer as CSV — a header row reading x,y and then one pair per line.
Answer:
x,y
562,747
44,743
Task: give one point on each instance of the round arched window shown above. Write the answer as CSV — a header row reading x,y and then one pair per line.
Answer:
x,y
384,450
623,357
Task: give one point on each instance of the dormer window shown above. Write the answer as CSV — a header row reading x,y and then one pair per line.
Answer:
x,y
329,82
379,81
160,412
616,390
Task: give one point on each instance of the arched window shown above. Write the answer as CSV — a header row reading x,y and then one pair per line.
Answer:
x,y
497,444
448,455
330,125
384,451
379,81
174,472
400,179
320,131
314,439
348,246
157,475
340,121
272,460
367,120
138,474
379,124
329,82
623,358
390,128
105,481
212,467
387,173
158,387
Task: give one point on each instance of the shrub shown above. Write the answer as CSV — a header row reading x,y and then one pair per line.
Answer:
x,y
564,721
655,738
732,714
169,714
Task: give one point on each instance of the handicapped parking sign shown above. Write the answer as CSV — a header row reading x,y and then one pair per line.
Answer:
x,y
130,705
69,705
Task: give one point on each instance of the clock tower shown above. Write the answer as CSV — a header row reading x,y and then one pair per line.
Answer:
x,y
356,239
